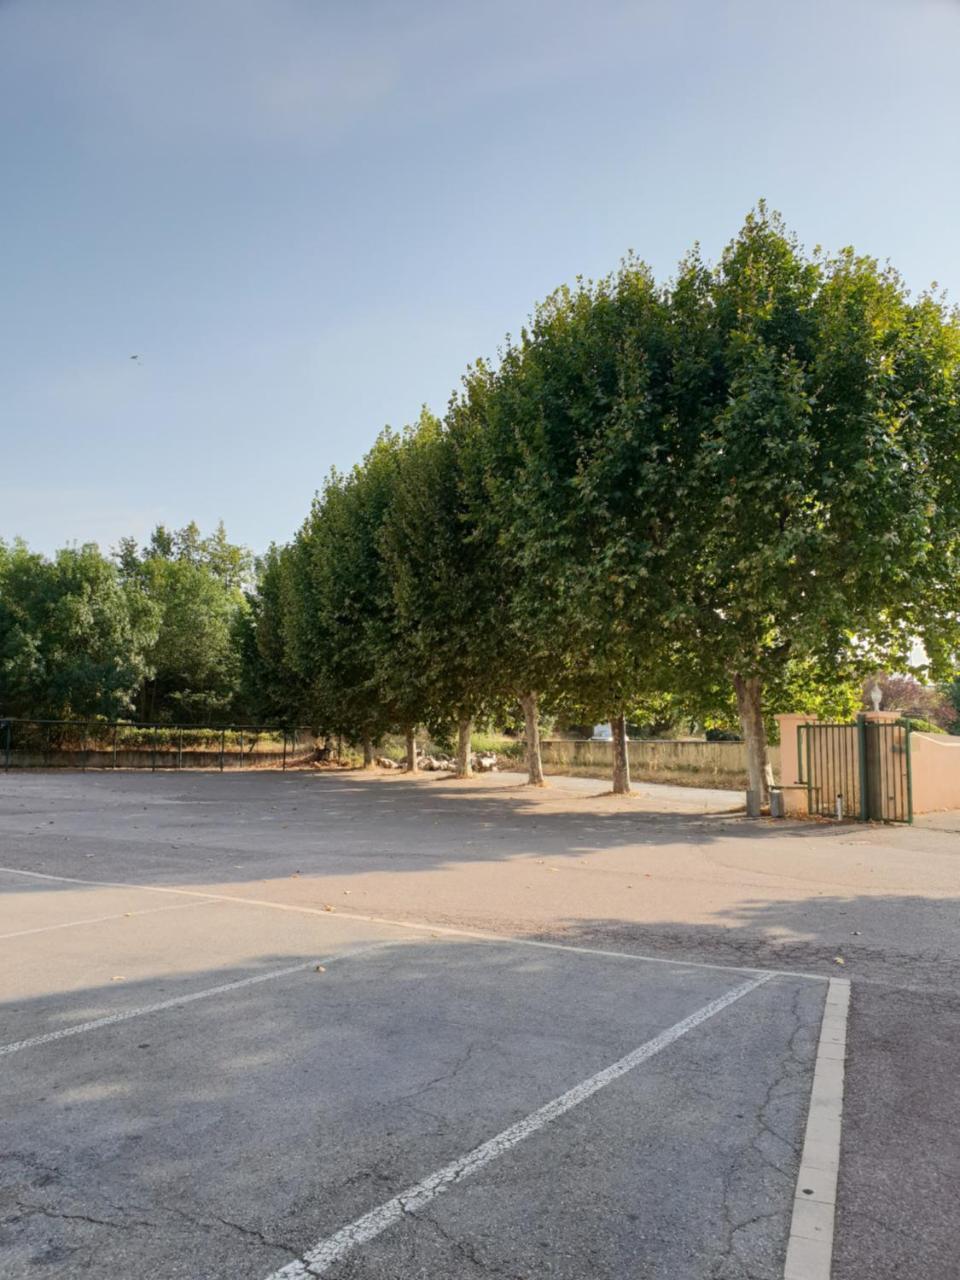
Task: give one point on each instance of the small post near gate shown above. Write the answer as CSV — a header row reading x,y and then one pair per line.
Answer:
x,y
223,735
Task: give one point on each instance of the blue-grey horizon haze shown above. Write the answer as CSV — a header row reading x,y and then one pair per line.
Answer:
x,y
305,219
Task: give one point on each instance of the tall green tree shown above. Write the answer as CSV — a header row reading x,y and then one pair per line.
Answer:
x,y
342,626
195,586
813,467
587,412
271,689
74,638
441,584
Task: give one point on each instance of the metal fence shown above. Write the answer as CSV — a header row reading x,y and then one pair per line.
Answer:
x,y
119,744
860,770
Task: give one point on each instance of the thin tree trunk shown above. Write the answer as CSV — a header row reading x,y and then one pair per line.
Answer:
x,y
367,753
412,750
621,756
754,735
534,761
464,759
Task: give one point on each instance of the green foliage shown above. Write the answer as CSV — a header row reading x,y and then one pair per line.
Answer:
x,y
734,494
194,585
74,638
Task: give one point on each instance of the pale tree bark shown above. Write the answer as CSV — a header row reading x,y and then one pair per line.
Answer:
x,y
754,735
621,756
464,758
412,750
367,753
534,761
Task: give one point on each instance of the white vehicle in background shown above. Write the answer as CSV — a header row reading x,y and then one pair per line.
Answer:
x,y
601,733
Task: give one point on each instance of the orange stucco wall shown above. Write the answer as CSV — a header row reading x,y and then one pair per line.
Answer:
x,y
935,760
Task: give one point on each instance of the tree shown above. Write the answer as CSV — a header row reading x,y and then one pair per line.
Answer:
x,y
194,584
916,700
812,463
440,584
583,395
271,690
342,628
519,658
73,637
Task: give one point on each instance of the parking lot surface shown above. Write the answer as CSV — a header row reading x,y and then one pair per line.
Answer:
x,y
292,1025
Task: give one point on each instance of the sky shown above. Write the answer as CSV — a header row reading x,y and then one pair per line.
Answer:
x,y
305,218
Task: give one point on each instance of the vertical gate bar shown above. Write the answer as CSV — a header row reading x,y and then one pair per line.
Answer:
x,y
909,762
888,795
809,774
223,734
180,747
832,803
905,770
893,772
114,746
284,766
153,762
844,794
241,748
892,761
6,750
847,775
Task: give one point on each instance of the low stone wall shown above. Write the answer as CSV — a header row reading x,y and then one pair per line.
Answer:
x,y
691,763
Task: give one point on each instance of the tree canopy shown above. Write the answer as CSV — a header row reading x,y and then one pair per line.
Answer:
x,y
734,492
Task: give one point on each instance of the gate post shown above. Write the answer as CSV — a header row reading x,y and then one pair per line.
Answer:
x,y
862,758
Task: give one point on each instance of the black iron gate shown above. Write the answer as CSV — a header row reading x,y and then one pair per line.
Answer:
x,y
859,770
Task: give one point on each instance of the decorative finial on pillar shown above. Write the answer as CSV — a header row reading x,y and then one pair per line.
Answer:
x,y
876,696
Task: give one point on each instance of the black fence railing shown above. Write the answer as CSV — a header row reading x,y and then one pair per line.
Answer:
x,y
121,744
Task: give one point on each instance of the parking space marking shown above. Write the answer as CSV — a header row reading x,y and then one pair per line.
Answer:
x,y
810,1245
175,1001
426,926
119,915
327,1252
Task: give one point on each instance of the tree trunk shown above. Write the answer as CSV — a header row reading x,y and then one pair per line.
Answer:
x,y
534,762
464,761
754,734
412,750
621,756
367,754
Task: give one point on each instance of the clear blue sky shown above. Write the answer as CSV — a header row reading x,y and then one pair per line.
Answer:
x,y
307,217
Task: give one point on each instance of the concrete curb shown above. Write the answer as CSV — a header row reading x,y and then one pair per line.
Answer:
x,y
810,1245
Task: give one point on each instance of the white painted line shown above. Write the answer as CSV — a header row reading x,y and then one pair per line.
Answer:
x,y
120,915
426,927
175,1001
327,1252
810,1245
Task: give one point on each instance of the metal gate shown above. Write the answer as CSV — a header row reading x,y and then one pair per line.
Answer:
x,y
859,770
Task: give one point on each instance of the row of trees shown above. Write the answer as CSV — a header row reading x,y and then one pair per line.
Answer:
x,y
739,487
156,631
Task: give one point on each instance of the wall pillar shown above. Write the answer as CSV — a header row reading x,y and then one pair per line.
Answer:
x,y
789,761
